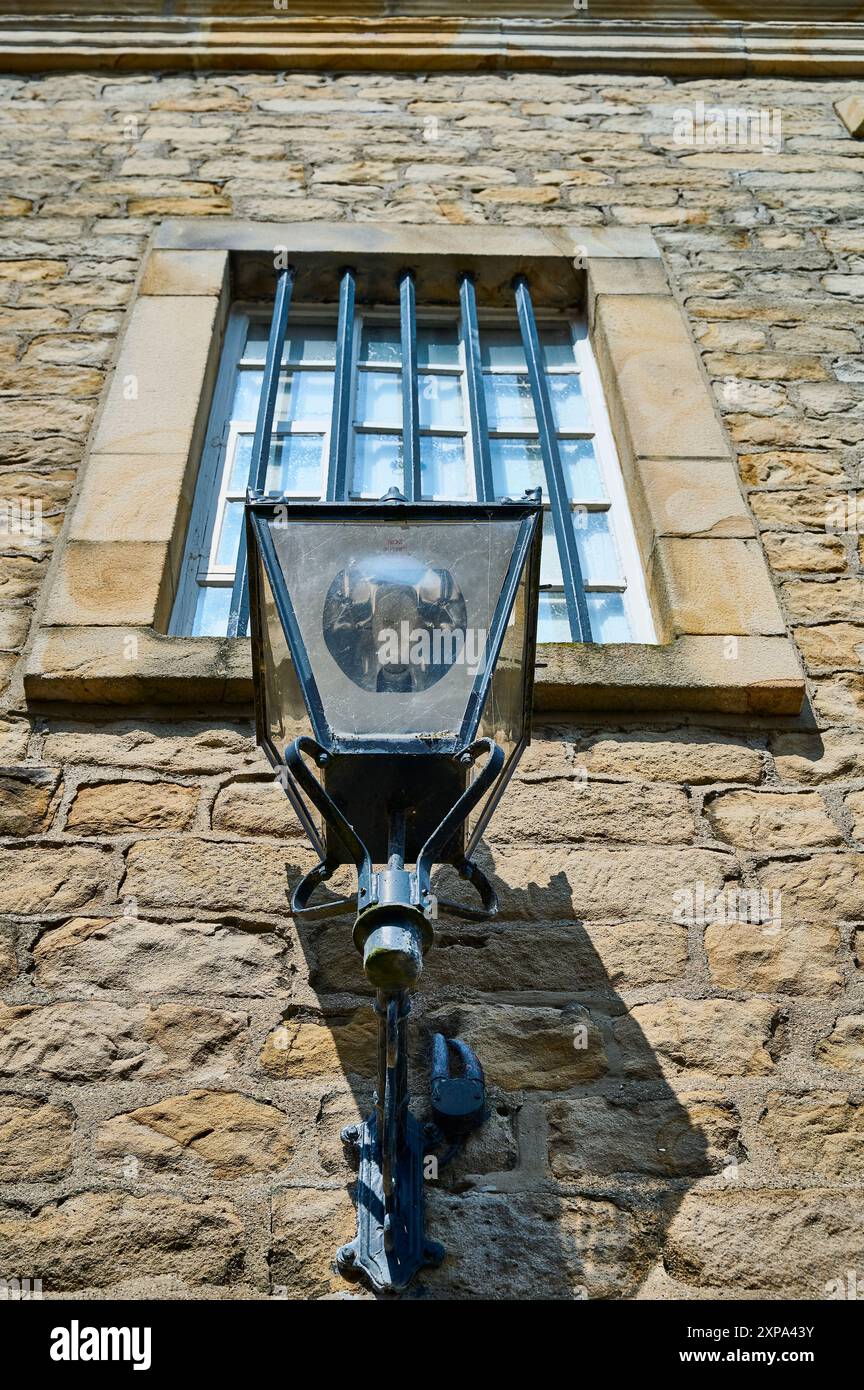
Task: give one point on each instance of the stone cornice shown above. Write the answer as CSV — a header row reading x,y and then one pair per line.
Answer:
x,y
276,41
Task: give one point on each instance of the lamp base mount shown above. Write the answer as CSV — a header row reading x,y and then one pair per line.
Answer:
x,y
390,1247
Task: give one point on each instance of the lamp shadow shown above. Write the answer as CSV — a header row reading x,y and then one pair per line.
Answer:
x,y
569,1188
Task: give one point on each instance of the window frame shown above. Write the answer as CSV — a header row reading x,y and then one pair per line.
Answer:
x,y
217,458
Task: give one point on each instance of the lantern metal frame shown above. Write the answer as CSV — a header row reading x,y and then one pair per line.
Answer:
x,y
395,906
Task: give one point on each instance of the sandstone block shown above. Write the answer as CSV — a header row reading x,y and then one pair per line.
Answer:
x,y
115,808
721,1037
35,1138
232,1134
306,1047
786,1244
772,820
843,1049
153,958
95,1239
821,1133
796,959
52,879
308,1226
681,1136
26,799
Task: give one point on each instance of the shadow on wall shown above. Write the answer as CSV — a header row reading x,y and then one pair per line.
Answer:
x,y
568,1190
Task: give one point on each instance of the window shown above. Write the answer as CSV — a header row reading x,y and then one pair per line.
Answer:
x,y
138,554
597,524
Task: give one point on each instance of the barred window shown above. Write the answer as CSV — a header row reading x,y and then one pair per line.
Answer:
x,y
477,437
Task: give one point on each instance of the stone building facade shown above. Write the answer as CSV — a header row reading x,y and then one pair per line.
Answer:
x,y
176,1057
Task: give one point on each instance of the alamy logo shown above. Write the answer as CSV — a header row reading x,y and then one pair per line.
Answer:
x,y
77,1343
757,906
708,127
437,646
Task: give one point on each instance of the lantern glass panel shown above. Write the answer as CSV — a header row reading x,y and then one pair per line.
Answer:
x,y
395,616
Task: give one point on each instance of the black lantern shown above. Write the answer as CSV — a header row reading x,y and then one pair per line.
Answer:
x,y
393,657
393,648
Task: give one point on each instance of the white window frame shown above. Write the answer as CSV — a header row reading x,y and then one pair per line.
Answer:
x,y
222,433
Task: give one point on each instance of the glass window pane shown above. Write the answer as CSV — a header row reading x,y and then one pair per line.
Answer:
x,y
553,624
501,348
238,478
581,471
438,346
440,400
295,465
314,342
517,464
229,533
596,547
305,397
443,468
557,347
379,398
311,343
609,621
247,394
550,562
211,611
380,343
508,403
568,404
256,340
377,464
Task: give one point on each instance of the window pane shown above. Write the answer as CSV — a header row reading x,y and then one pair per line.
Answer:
x,y
314,342
211,611
238,478
596,547
229,533
379,399
438,346
609,622
581,471
550,562
508,403
295,465
377,464
557,347
568,403
306,397
501,348
380,344
443,467
440,402
553,624
517,464
247,393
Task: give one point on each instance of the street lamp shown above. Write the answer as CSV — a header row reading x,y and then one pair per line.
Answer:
x,y
393,648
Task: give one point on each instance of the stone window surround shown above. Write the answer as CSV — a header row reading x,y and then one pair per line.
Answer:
x,y
105,609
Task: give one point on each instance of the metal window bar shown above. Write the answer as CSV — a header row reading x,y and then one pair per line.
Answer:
x,y
340,428
238,615
337,481
565,535
413,487
477,418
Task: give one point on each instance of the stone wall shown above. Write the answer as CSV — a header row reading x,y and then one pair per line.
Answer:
x,y
676,1107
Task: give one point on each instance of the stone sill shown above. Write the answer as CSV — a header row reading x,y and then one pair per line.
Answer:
x,y
695,674
691,44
